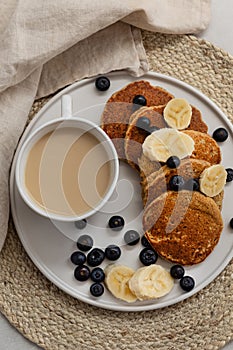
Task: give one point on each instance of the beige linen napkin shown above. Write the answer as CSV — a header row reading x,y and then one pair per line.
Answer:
x,y
45,45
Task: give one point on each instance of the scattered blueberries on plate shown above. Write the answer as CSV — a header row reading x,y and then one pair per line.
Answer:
x,y
187,283
97,274
177,271
81,224
176,183
139,100
116,223
102,83
143,123
112,252
78,258
85,243
148,256
152,129
82,273
145,242
220,135
96,289
95,257
229,174
231,223
131,237
192,185
173,162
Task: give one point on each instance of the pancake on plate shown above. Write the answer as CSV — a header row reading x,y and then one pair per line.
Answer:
x,y
183,227
205,148
158,183
119,108
135,136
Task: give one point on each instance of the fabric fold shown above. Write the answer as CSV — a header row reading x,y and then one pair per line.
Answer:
x,y
38,31
109,46
15,104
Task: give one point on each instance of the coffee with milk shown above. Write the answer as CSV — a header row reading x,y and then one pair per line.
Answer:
x,y
66,171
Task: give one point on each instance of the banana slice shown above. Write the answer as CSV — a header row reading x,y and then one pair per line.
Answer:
x,y
166,142
213,180
178,113
116,280
151,282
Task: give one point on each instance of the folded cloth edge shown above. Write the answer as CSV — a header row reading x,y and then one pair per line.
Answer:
x,y
118,47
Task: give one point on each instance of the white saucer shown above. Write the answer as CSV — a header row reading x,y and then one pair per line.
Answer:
x,y
50,244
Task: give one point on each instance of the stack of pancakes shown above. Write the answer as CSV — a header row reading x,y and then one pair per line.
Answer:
x,y
184,226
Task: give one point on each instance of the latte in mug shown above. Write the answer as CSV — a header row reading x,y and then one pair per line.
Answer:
x,y
67,171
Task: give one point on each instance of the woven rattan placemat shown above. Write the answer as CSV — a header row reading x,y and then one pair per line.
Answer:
x,y
54,320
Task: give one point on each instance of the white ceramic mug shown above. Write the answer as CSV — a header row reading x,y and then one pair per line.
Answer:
x,y
66,120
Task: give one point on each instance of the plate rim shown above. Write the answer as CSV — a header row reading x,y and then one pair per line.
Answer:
x,y
41,266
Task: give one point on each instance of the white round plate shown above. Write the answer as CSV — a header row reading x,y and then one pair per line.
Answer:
x,y
50,244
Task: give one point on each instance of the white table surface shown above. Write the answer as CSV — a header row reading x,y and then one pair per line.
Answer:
x,y
219,33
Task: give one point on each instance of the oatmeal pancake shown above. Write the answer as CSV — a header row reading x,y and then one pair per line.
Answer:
x,y
183,227
197,123
135,136
119,108
158,182
206,148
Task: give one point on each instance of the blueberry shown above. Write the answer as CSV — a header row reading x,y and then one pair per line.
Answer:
x,y
102,83
97,275
95,257
81,224
96,289
177,271
143,123
85,243
131,237
112,252
152,129
220,135
187,283
231,223
176,183
192,185
78,258
116,223
229,174
148,256
82,273
139,100
145,242
173,162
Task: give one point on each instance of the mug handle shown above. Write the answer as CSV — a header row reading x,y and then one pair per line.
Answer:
x,y
66,106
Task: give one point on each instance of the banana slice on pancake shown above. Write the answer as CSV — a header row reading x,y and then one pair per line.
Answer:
x,y
166,142
178,113
213,180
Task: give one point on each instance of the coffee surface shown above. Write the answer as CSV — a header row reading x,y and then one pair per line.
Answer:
x,y
67,171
